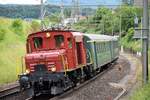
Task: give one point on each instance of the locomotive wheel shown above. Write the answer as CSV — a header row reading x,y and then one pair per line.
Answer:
x,y
31,92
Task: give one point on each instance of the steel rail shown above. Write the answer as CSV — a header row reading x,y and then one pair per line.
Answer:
x,y
83,84
9,91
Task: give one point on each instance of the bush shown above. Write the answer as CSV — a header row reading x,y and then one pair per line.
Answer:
x,y
128,42
17,26
35,26
2,34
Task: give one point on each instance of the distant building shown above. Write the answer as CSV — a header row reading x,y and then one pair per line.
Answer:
x,y
69,21
28,19
139,3
82,17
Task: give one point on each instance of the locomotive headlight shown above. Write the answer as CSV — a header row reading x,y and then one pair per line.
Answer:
x,y
53,69
27,71
48,35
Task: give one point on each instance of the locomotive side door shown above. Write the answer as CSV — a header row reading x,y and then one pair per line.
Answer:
x,y
79,53
70,53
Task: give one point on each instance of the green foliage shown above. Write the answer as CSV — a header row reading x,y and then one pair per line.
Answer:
x,y
101,13
87,11
2,34
35,25
106,21
12,47
142,93
17,26
67,12
127,14
52,20
25,11
128,42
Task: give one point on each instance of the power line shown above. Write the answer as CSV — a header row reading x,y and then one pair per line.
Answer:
x,y
62,11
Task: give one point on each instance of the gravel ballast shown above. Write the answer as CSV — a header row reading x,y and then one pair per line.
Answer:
x,y
100,89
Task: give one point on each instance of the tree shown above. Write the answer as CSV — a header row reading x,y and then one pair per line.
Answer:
x,y
35,25
127,14
17,26
2,34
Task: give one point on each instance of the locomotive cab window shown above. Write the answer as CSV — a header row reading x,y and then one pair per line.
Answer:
x,y
38,42
59,41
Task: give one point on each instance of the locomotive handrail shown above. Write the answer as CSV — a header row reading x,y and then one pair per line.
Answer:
x,y
64,65
22,63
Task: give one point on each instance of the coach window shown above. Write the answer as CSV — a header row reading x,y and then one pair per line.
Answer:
x,y
38,42
59,41
69,43
104,46
99,47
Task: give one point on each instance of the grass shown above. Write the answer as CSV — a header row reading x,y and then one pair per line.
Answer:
x,y
142,93
12,48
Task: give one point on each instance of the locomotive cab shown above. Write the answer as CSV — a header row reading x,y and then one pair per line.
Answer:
x,y
51,55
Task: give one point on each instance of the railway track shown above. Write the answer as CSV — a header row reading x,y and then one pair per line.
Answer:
x,y
4,94
13,90
108,67
79,86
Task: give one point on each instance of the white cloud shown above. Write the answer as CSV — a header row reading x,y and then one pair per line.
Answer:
x,y
20,1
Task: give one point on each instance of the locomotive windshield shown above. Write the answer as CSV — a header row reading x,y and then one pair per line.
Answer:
x,y
59,41
41,42
38,42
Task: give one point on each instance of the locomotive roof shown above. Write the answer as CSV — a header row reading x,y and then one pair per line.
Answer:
x,y
98,37
92,37
52,31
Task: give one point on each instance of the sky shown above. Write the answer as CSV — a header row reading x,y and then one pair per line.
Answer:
x,y
19,1
35,2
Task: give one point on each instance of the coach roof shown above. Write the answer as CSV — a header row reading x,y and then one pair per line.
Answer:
x,y
97,37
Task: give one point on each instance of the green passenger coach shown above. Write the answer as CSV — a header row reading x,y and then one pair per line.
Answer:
x,y
100,49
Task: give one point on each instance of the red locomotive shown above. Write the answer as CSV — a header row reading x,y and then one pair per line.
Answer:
x,y
57,60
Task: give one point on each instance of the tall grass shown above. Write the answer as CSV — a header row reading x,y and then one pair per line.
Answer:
x,y
142,93
13,33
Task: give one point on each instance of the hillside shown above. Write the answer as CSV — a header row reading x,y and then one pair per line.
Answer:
x,y
33,11
12,47
88,2
25,11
